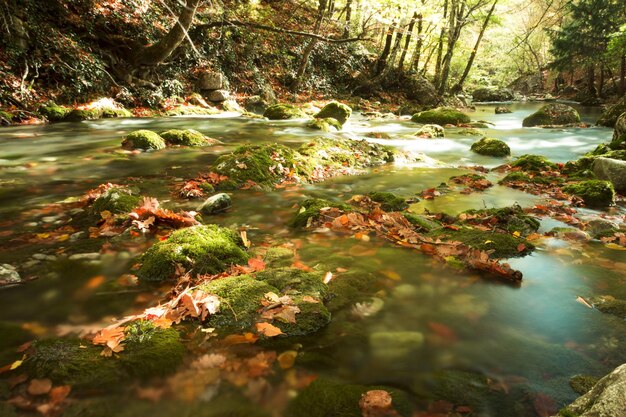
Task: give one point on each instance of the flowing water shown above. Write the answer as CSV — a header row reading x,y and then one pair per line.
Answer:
x,y
527,340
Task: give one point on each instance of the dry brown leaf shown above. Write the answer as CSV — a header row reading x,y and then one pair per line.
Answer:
x,y
268,330
39,386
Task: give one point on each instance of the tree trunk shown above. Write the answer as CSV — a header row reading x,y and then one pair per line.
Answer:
x,y
440,46
346,31
591,81
456,24
622,76
381,63
396,47
459,85
419,44
407,41
601,81
160,51
309,48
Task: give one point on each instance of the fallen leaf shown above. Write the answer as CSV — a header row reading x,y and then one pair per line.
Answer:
x,y
59,394
39,386
287,359
268,330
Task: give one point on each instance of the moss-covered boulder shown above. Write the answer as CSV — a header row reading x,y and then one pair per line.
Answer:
x,y
487,94
78,115
431,131
325,397
511,219
325,125
470,131
284,112
147,353
533,163
112,113
388,201
311,318
554,114
441,116
200,250
144,140
190,110
491,147
619,134
187,137
595,193
295,281
499,245
422,223
266,164
610,305
582,384
335,110
612,113
117,200
309,211
53,112
341,153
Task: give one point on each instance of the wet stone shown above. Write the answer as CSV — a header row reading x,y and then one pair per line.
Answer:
x,y
8,274
216,204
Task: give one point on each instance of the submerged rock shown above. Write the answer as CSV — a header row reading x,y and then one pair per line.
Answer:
x,y
502,110
499,245
491,147
441,116
582,384
388,201
552,115
610,305
430,131
335,110
310,211
283,112
9,275
395,346
595,193
570,233
144,140
492,94
216,204
187,137
199,249
606,399
599,228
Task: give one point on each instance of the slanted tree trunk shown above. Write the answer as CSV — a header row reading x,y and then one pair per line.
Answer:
x,y
456,24
396,47
622,76
459,85
309,48
408,40
381,63
155,54
440,46
419,44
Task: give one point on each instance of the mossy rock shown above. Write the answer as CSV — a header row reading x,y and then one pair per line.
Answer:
x,y
191,111
619,133
554,114
78,115
263,164
283,112
612,113
340,153
279,257
54,112
422,223
311,318
335,110
388,201
325,125
310,211
491,147
295,281
431,131
117,200
5,115
240,298
325,397
351,288
610,305
595,193
441,116
199,249
143,139
112,113
500,245
470,131
515,176
533,163
512,219
582,384
187,137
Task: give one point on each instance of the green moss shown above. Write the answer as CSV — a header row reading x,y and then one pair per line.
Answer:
x,y
199,249
601,149
581,384
502,245
491,147
186,137
283,112
311,318
350,288
264,164
422,223
325,397
143,139
511,219
533,163
310,211
441,116
78,115
339,153
279,257
295,281
117,200
241,299
151,351
610,305
335,110
112,113
74,362
6,116
388,201
191,111
565,412
552,115
611,114
325,125
54,112
595,193
470,132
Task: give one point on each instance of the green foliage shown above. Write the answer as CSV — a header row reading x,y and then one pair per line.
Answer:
x,y
200,250
491,147
143,139
595,193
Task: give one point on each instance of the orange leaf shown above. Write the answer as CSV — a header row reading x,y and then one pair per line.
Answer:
x,y
39,386
268,330
256,264
58,394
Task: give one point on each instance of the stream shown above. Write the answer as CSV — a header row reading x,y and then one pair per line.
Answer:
x,y
526,340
